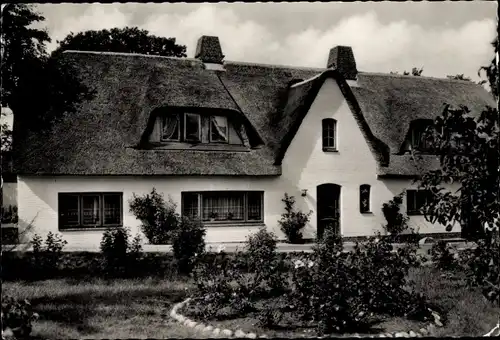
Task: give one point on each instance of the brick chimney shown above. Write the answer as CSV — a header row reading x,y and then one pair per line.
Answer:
x,y
342,59
208,50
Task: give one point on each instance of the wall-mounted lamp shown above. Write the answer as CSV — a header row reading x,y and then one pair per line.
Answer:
x,y
304,192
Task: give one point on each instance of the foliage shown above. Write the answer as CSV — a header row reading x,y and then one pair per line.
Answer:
x,y
124,40
483,267
292,222
188,241
468,151
20,45
444,256
340,290
491,70
9,214
459,77
119,254
47,258
17,315
159,218
397,222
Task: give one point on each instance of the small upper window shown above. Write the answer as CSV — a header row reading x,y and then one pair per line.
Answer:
x,y
364,198
218,129
329,134
192,127
170,128
419,138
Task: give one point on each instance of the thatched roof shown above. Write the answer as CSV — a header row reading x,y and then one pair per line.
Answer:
x,y
103,137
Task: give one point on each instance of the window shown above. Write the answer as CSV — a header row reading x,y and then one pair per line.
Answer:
x,y
89,210
416,200
192,127
170,128
224,206
419,138
329,132
364,198
218,129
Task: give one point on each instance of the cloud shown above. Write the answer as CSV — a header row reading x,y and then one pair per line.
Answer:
x,y
378,46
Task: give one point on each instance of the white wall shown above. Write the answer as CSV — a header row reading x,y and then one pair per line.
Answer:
x,y
305,166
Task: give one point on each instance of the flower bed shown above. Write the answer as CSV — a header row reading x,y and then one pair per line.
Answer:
x,y
328,291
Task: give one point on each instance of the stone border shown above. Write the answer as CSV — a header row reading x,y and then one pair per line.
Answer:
x,y
422,332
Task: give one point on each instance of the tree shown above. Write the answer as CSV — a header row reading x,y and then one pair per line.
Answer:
x,y
125,40
20,45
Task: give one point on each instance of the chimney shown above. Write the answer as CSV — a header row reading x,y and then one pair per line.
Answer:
x,y
208,50
342,59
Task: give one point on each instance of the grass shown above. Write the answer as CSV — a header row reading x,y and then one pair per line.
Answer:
x,y
468,312
104,309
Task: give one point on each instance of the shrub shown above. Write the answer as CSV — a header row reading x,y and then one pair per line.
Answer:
x,y
483,267
159,218
340,290
397,222
47,258
17,315
292,222
443,256
119,255
188,241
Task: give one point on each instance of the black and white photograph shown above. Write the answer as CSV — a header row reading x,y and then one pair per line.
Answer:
x,y
250,170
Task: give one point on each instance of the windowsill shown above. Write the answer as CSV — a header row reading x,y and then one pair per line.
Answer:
x,y
233,224
414,213
330,149
200,146
88,228
366,212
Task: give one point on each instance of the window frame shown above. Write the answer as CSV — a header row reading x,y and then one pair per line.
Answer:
x,y
326,127
162,119
418,129
245,220
413,210
361,209
210,129
80,225
198,116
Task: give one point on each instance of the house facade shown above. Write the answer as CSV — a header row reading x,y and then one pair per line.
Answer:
x,y
226,140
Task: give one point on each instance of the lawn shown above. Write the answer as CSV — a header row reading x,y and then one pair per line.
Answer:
x,y
103,309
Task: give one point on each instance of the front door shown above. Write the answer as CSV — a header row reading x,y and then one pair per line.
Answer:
x,y
328,208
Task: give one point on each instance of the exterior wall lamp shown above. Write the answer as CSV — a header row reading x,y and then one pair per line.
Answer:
x,y
304,192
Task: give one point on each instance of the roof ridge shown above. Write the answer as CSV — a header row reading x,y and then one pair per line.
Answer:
x,y
397,75
306,68
125,54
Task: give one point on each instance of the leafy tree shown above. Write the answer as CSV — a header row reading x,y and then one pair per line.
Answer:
x,y
20,45
125,40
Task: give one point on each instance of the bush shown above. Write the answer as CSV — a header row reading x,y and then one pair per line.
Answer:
x,y
188,241
341,291
397,222
293,222
47,258
159,218
119,254
17,315
443,256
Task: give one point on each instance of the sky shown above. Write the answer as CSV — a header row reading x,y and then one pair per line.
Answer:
x,y
445,38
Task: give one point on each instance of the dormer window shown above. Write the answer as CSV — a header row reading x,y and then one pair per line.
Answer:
x,y
329,126
192,124
218,129
418,138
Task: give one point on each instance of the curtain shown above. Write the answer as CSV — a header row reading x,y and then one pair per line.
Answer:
x,y
90,209
170,127
219,128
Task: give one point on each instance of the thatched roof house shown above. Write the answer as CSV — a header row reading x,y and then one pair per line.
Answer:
x,y
109,134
